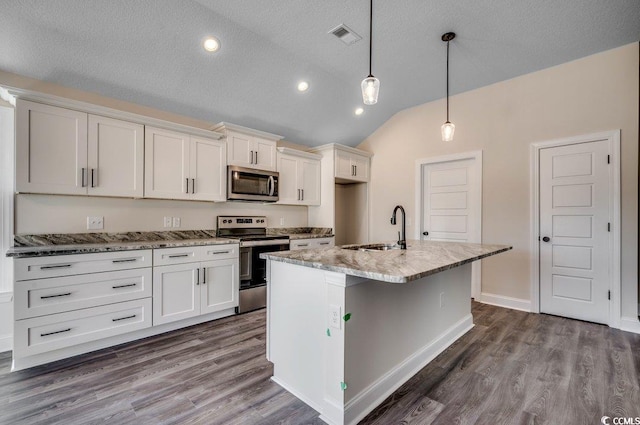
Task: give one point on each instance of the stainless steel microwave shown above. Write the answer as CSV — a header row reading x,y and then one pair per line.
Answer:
x,y
247,184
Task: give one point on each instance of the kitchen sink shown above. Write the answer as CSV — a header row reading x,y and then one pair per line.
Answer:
x,y
373,247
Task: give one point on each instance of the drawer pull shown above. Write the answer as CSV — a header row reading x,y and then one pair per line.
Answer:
x,y
58,266
324,243
220,252
303,244
124,286
125,260
178,255
123,318
56,332
55,296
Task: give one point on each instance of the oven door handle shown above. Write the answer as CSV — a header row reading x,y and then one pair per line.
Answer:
x,y
271,185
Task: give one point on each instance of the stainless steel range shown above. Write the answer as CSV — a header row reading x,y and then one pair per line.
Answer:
x,y
251,231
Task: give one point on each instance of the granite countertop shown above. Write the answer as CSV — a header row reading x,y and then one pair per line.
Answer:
x,y
295,236
420,259
86,248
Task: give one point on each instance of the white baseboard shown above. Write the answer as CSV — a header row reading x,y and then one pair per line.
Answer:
x,y
6,343
304,399
630,324
507,302
377,392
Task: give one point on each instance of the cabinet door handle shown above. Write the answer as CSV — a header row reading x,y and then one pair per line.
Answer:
x,y
58,266
251,159
128,285
198,276
178,255
123,318
93,177
124,260
204,275
83,173
256,153
193,185
187,191
355,170
55,296
56,332
302,194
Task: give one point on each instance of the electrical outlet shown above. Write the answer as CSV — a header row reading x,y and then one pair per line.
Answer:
x,y
176,221
281,221
95,223
334,316
442,299
167,222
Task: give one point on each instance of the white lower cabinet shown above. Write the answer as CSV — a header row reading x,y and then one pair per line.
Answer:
x,y
312,243
189,288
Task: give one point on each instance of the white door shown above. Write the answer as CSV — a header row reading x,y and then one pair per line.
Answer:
x,y
265,154
166,164
116,158
360,167
51,149
288,189
452,204
344,167
176,292
309,179
574,228
240,149
208,169
220,285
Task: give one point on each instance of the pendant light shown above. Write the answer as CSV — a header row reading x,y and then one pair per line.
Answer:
x,y
448,128
370,85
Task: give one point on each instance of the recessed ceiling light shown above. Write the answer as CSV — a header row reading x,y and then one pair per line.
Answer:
x,y
211,44
359,111
303,86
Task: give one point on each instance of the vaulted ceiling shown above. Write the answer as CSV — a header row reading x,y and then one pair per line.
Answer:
x,y
150,52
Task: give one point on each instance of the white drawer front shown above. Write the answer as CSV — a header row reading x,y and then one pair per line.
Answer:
x,y
192,254
60,294
300,244
42,334
323,242
67,265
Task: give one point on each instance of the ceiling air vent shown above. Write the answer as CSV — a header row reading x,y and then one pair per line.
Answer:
x,y
345,34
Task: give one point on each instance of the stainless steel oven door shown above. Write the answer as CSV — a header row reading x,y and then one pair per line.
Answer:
x,y
245,264
246,184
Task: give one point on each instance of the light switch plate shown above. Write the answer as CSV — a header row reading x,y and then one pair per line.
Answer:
x,y
176,221
167,222
95,223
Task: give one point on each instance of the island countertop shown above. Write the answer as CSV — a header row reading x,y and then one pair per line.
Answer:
x,y
420,259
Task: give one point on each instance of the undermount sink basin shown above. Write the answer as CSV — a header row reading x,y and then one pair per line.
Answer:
x,y
373,247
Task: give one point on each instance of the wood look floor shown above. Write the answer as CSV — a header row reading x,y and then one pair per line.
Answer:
x,y
512,368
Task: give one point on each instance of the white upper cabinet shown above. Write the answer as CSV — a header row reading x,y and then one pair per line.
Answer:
x,y
351,165
249,148
51,149
62,151
179,166
299,182
115,158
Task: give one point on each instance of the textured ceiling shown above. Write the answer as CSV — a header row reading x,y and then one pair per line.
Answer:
x,y
149,52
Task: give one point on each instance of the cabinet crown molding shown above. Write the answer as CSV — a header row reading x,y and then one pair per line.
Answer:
x,y
302,154
336,146
104,111
224,126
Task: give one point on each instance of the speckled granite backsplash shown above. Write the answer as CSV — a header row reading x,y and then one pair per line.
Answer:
x,y
93,238
294,230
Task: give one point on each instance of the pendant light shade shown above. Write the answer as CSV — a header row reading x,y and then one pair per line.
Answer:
x,y
448,128
370,85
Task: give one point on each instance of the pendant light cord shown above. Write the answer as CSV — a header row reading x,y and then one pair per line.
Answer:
x,y
447,80
370,34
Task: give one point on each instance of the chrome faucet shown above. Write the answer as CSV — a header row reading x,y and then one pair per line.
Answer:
x,y
402,235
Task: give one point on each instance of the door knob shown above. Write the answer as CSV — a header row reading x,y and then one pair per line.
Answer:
x,y
546,239
425,233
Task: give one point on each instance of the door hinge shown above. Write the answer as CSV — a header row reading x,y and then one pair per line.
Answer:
x,y
609,295
608,227
608,159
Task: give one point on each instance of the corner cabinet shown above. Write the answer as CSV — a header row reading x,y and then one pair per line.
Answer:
x,y
63,151
181,166
249,148
299,182
192,281
351,165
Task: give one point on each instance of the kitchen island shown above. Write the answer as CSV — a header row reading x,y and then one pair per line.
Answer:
x,y
347,327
